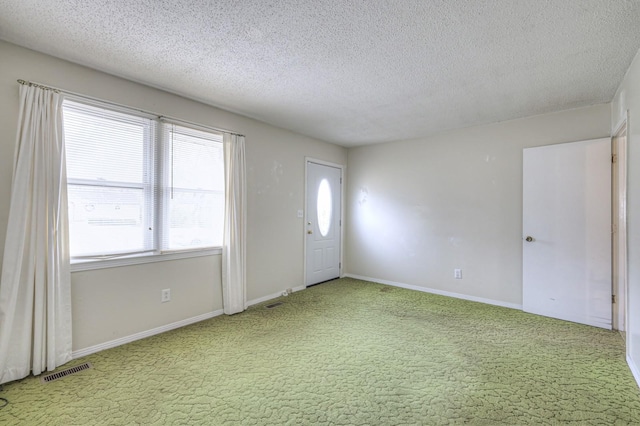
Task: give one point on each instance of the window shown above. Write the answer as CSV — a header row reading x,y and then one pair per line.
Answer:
x,y
324,207
140,185
194,193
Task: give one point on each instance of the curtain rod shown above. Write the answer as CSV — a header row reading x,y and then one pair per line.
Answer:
x,y
29,83
115,104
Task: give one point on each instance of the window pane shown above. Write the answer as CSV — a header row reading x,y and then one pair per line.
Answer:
x,y
110,180
196,219
104,220
325,207
197,163
194,193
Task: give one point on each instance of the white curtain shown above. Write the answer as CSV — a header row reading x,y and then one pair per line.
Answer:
x,y
35,294
234,254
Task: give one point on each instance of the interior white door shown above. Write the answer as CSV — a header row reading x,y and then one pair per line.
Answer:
x,y
323,222
567,231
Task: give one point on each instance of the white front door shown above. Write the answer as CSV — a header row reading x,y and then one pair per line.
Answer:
x,y
323,222
566,242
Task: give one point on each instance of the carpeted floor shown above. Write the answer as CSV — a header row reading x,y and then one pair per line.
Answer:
x,y
348,353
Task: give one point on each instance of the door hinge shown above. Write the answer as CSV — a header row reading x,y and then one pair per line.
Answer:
x,y
340,265
614,158
613,298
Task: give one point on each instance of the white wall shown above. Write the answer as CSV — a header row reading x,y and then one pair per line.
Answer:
x,y
418,209
628,98
110,304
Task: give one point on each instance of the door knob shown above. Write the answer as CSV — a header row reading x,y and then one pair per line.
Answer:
x,y
309,232
529,239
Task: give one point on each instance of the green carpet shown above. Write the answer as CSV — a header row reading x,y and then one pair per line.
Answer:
x,y
348,353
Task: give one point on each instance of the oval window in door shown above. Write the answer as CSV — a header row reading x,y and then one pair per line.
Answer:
x,y
324,207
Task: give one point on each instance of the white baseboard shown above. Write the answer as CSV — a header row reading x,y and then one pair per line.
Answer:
x,y
137,336
634,370
439,292
272,296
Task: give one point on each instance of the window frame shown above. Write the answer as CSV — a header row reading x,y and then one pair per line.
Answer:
x,y
155,165
166,146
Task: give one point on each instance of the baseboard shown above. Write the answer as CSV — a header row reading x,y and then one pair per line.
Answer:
x,y
272,296
137,336
132,338
634,370
439,292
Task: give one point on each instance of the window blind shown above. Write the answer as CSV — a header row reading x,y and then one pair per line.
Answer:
x,y
193,195
110,172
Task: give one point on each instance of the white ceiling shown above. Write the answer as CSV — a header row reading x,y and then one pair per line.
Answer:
x,y
350,72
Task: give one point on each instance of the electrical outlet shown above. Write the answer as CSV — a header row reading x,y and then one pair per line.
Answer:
x,y
457,274
166,295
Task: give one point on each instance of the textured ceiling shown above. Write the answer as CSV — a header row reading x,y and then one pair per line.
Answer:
x,y
349,72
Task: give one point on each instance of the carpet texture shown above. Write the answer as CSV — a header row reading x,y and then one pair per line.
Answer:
x,y
348,352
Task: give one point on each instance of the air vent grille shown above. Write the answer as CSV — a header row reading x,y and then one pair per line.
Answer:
x,y
69,371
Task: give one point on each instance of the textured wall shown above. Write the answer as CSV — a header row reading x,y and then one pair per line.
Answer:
x,y
350,72
114,303
418,209
628,98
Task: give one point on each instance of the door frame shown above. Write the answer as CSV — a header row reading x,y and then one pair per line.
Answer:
x,y
619,280
342,168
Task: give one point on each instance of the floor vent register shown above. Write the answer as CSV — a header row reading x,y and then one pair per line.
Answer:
x,y
48,378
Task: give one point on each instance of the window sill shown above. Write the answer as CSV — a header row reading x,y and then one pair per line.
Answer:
x,y
87,265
